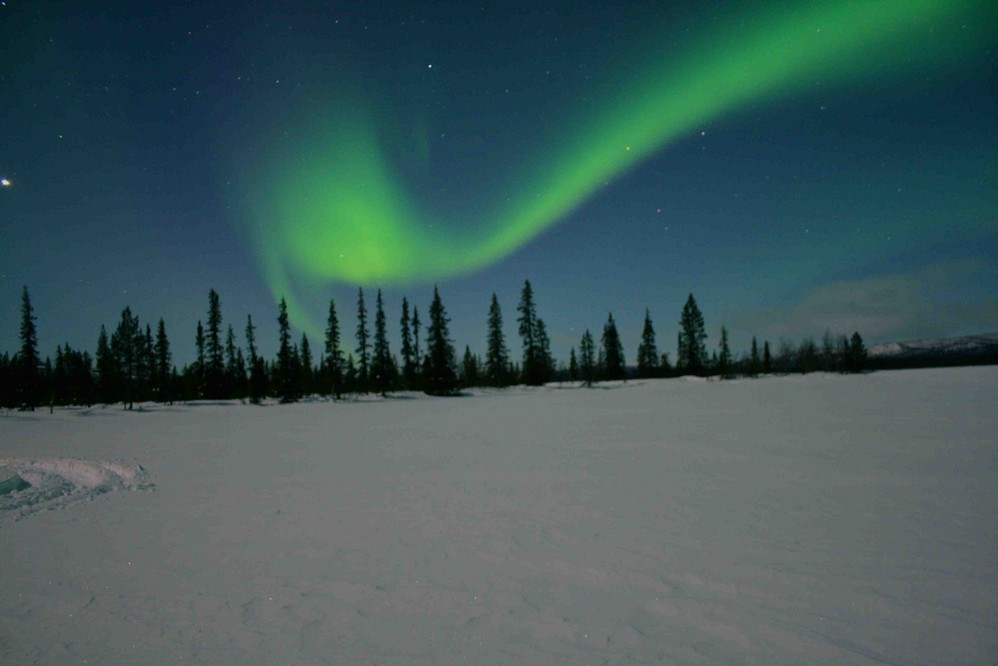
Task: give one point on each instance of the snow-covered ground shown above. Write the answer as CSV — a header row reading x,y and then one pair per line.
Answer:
x,y
819,519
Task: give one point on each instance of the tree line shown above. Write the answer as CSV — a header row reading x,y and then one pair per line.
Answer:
x,y
134,364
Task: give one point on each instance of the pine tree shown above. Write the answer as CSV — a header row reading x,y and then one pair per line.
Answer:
x,y
754,359
59,379
143,364
7,382
161,349
297,370
767,359
469,368
587,360
692,353
107,371
45,384
807,356
417,356
239,390
664,367
647,351
214,373
28,379
363,346
381,369
439,375
124,347
306,374
408,353
613,351
350,378
285,356
724,361
545,361
232,371
573,366
199,368
534,364
856,359
334,357
149,348
257,370
496,355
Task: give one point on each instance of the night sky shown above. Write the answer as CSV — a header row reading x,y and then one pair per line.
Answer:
x,y
797,166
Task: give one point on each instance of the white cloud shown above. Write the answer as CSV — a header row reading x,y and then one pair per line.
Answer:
x,y
932,301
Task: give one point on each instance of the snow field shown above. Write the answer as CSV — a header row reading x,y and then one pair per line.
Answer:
x,y
817,519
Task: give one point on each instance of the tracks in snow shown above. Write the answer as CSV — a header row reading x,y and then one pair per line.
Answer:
x,y
57,483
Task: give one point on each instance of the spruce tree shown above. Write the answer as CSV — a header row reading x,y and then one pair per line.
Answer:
x,y
545,361
767,359
724,361
587,360
257,369
199,368
613,351
573,366
59,379
807,356
296,372
350,377
692,352
439,375
125,348
28,362
408,352
285,355
469,368
664,367
306,373
363,345
334,357
45,384
647,350
534,363
215,370
149,351
7,382
496,355
232,371
161,349
381,367
857,354
417,356
107,375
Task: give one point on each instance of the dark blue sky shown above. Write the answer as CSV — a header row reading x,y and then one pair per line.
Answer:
x,y
866,201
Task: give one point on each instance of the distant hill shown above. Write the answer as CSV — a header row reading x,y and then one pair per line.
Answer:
x,y
966,350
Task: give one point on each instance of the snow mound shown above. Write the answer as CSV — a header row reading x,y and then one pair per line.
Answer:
x,y
56,483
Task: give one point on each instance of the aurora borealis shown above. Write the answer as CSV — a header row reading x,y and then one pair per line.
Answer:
x,y
337,210
398,146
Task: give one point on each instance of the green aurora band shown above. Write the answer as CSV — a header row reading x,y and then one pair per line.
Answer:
x,y
335,209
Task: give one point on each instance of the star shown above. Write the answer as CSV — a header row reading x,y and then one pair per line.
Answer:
x,y
4,182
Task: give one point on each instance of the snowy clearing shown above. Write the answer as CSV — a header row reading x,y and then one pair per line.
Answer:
x,y
818,519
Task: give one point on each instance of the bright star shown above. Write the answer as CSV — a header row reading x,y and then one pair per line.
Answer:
x,y
4,182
